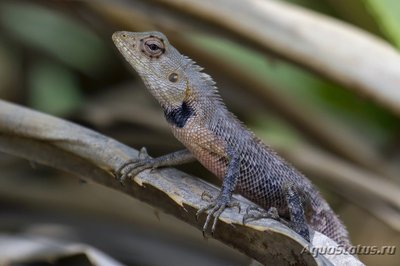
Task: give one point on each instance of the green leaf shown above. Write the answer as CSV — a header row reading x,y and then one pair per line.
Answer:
x,y
387,16
355,12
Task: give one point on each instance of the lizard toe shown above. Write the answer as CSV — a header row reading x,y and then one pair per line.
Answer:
x,y
127,168
235,204
136,168
143,154
215,209
216,215
206,196
255,213
132,167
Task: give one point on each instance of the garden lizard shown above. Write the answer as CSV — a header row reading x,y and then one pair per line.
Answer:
x,y
220,142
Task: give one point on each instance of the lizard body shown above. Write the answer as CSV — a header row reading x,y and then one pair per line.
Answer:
x,y
218,140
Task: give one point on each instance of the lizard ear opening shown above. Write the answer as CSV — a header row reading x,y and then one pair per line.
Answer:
x,y
173,77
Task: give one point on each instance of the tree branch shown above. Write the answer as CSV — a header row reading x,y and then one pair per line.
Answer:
x,y
51,141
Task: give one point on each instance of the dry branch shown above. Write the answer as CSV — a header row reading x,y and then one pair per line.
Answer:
x,y
48,140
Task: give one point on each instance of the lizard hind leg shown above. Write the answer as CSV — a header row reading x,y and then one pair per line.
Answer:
x,y
297,222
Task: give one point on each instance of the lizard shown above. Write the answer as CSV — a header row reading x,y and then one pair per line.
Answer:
x,y
214,136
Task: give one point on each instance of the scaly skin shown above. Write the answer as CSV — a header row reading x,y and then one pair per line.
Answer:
x,y
218,140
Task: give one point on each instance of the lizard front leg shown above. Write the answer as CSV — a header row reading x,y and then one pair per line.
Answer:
x,y
133,167
224,199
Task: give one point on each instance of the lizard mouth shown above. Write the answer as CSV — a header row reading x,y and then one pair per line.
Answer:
x,y
126,45
118,39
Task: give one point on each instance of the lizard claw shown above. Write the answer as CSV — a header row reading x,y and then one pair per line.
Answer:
x,y
215,209
133,167
272,213
206,196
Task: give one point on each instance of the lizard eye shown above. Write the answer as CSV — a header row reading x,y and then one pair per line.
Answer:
x,y
153,47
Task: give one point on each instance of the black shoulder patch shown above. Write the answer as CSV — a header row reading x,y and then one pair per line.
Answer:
x,y
179,116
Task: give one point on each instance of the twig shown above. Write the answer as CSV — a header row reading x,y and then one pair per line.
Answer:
x,y
48,140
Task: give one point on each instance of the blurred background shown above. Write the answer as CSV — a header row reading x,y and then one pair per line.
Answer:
x,y
58,57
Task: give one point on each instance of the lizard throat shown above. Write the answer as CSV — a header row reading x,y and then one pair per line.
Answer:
x,y
178,116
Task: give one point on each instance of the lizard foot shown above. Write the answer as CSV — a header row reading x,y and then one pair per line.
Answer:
x,y
206,196
255,213
297,220
215,209
133,167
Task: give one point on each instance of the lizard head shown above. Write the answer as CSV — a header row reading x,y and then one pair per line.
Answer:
x,y
163,69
